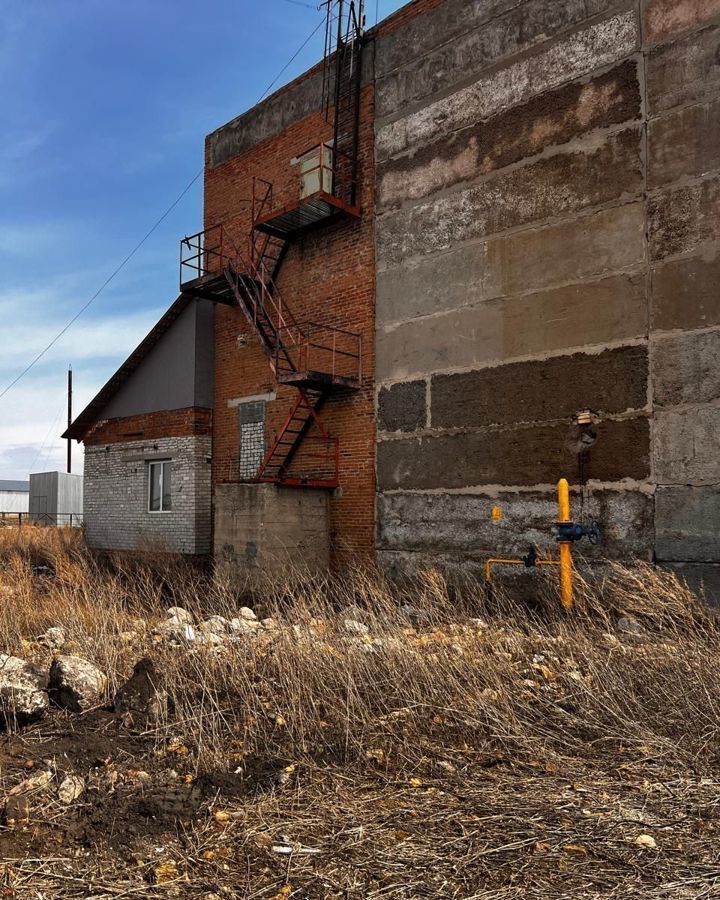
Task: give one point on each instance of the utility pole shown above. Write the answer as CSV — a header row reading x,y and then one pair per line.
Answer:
x,y
69,421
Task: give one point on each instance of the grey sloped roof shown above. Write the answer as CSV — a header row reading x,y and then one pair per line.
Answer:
x,y
20,486
94,409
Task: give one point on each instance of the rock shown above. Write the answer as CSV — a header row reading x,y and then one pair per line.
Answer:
x,y
23,696
31,785
210,639
214,625
75,683
70,789
54,637
247,614
243,626
629,625
17,811
176,632
355,627
140,694
647,841
269,624
179,614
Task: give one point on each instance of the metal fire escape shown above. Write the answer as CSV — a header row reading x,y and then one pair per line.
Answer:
x,y
317,359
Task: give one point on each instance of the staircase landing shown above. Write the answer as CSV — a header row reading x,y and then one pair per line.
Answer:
x,y
304,214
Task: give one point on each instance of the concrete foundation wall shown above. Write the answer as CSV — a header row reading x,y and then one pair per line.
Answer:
x,y
548,200
264,527
116,496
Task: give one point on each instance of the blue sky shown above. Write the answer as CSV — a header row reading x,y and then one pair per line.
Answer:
x,y
105,107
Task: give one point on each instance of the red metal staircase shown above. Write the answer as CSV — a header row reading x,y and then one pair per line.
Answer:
x,y
318,360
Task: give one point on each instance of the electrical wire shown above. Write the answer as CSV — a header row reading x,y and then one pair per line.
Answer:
x,y
102,287
292,58
47,435
155,226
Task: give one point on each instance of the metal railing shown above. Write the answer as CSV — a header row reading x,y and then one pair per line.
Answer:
x,y
203,253
312,347
49,520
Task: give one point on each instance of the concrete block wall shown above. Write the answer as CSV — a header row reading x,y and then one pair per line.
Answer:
x,y
116,496
264,527
547,199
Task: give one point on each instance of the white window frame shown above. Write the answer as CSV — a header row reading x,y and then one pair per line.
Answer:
x,y
162,463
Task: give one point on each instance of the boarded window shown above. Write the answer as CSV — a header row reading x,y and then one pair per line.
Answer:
x,y
160,486
252,437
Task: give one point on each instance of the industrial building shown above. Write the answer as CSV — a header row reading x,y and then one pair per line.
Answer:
x,y
473,250
14,496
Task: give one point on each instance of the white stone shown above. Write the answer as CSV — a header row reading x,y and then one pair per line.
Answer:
x,y
355,627
71,788
243,626
176,632
269,623
55,637
22,691
247,614
214,625
75,683
179,614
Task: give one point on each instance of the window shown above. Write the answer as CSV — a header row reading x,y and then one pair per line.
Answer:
x,y
316,172
252,437
160,486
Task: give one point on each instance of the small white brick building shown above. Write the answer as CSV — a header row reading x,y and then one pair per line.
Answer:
x,y
148,444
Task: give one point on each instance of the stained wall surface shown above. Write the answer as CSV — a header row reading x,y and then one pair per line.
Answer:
x,y
547,200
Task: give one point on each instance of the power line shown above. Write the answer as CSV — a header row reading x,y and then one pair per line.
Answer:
x,y
159,221
102,286
293,58
47,435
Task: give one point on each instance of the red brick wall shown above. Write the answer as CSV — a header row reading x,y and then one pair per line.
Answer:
x,y
329,277
149,426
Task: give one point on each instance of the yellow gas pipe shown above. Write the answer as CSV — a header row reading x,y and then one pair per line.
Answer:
x,y
566,585
565,561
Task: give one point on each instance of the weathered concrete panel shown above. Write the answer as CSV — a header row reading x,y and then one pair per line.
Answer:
x,y
684,143
687,523
665,18
613,309
459,524
686,369
552,118
611,382
702,578
608,241
685,445
681,220
600,45
422,33
262,526
402,407
523,27
686,293
511,456
684,71
553,187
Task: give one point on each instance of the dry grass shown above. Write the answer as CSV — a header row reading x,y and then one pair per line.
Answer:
x,y
494,751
